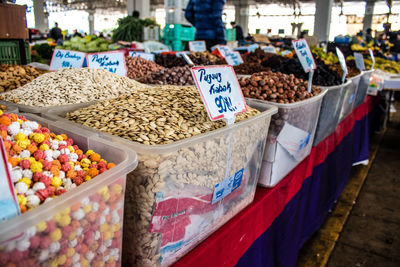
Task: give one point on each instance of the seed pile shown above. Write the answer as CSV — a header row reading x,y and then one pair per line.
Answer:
x,y
155,115
140,67
72,86
172,76
14,76
276,87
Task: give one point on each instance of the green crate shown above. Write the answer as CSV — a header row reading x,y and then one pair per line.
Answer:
x,y
176,45
9,52
179,32
230,35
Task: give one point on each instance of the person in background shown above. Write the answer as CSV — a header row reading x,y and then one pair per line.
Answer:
x,y
239,32
269,33
368,36
395,49
76,34
206,17
56,34
135,14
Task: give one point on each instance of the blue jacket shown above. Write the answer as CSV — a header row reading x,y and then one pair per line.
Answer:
x,y
206,17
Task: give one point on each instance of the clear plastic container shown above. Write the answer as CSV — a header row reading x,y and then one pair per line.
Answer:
x,y
10,108
363,87
330,111
349,96
82,226
290,137
40,110
168,208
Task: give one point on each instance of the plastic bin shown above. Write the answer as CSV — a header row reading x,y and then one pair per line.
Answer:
x,y
290,138
331,108
179,32
82,226
40,110
230,35
176,45
363,87
10,54
168,204
349,96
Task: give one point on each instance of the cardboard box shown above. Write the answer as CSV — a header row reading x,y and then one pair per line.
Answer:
x,y
13,22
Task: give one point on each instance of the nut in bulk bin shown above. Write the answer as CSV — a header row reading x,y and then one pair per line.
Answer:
x,y
82,226
168,208
331,108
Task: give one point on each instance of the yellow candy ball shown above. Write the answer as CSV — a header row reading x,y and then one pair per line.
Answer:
x,y
62,259
89,152
71,149
1,112
36,166
38,137
54,263
70,252
64,220
87,178
44,147
40,227
58,138
56,234
87,208
56,181
20,136
21,200
116,188
26,181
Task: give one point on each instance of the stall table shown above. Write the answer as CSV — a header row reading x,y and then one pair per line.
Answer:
x,y
271,230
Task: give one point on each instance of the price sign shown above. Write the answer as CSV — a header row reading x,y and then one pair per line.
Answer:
x,y
8,200
66,59
227,186
220,91
252,48
358,57
342,62
269,49
304,54
147,56
187,59
221,50
112,61
233,58
197,46
371,53
286,52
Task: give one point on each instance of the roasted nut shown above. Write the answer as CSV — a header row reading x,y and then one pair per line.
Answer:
x,y
140,67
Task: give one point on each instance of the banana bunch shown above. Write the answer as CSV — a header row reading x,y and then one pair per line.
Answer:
x,y
358,47
329,58
380,63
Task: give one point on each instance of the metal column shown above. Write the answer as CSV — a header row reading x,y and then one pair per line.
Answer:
x,y
322,23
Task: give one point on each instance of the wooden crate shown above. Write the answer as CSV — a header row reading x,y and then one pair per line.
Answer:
x,y
12,22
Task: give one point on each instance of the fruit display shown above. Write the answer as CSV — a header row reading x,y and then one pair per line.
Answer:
x,y
87,44
172,76
277,87
381,63
323,75
328,58
163,115
139,67
131,29
15,76
71,86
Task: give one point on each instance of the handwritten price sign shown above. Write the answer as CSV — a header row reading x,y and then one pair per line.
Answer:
x,y
233,58
112,61
66,59
304,54
147,56
197,46
342,62
220,91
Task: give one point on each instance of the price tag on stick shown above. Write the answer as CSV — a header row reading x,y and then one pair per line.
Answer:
x,y
233,58
306,58
112,61
371,53
358,57
147,56
220,91
8,200
66,59
197,46
187,59
343,64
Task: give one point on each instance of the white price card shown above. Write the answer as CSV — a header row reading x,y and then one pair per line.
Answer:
x,y
358,57
221,50
371,53
304,54
286,52
269,49
220,91
227,186
342,62
233,58
147,56
112,61
252,48
197,46
66,59
8,200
